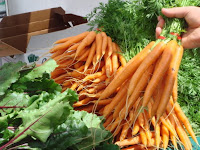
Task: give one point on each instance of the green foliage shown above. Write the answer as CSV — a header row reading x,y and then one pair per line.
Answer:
x,y
188,86
9,73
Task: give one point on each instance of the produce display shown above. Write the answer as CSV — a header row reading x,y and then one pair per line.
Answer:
x,y
113,87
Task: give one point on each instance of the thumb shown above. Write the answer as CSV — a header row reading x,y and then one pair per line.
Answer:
x,y
176,12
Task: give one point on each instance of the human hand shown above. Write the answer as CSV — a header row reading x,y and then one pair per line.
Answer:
x,y
190,39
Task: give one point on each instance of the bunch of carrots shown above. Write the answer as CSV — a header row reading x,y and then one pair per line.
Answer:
x,y
87,63
138,99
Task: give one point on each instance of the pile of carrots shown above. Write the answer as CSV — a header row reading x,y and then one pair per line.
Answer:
x,y
138,99
87,63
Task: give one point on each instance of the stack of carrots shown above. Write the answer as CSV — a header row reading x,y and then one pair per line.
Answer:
x,y
87,63
138,99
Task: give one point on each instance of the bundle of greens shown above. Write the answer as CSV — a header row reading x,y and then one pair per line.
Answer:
x,y
34,114
132,23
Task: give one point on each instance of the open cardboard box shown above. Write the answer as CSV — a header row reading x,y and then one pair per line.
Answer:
x,y
16,33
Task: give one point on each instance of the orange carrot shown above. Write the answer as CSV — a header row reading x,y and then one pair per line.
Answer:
x,y
120,94
102,102
159,72
143,81
63,40
126,72
108,121
65,45
115,63
170,78
108,64
99,41
156,96
143,137
165,136
181,116
90,56
136,128
110,48
86,42
82,102
104,42
130,141
121,57
101,78
149,60
178,57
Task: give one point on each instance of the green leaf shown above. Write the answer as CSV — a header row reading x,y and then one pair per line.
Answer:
x,y
9,73
41,121
13,102
38,72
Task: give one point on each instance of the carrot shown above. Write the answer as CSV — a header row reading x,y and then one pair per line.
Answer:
x,y
118,129
181,116
126,72
101,78
126,126
121,57
57,72
90,56
85,55
65,64
143,137
66,83
78,64
178,57
104,42
110,46
93,76
97,88
149,60
82,102
102,102
165,136
99,41
108,121
63,40
136,128
86,42
108,64
130,141
137,147
74,86
147,128
138,90
141,120
170,78
182,135
65,45
115,63
116,100
168,125
156,96
119,107
57,53
159,72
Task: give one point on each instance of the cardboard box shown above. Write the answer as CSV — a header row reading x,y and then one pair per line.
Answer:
x,y
17,30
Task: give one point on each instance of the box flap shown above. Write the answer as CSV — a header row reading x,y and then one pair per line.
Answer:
x,y
35,16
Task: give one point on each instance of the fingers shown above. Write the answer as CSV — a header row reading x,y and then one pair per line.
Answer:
x,y
176,12
159,26
191,39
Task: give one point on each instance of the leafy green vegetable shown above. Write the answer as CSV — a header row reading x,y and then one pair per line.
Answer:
x,y
38,72
81,130
9,73
34,114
